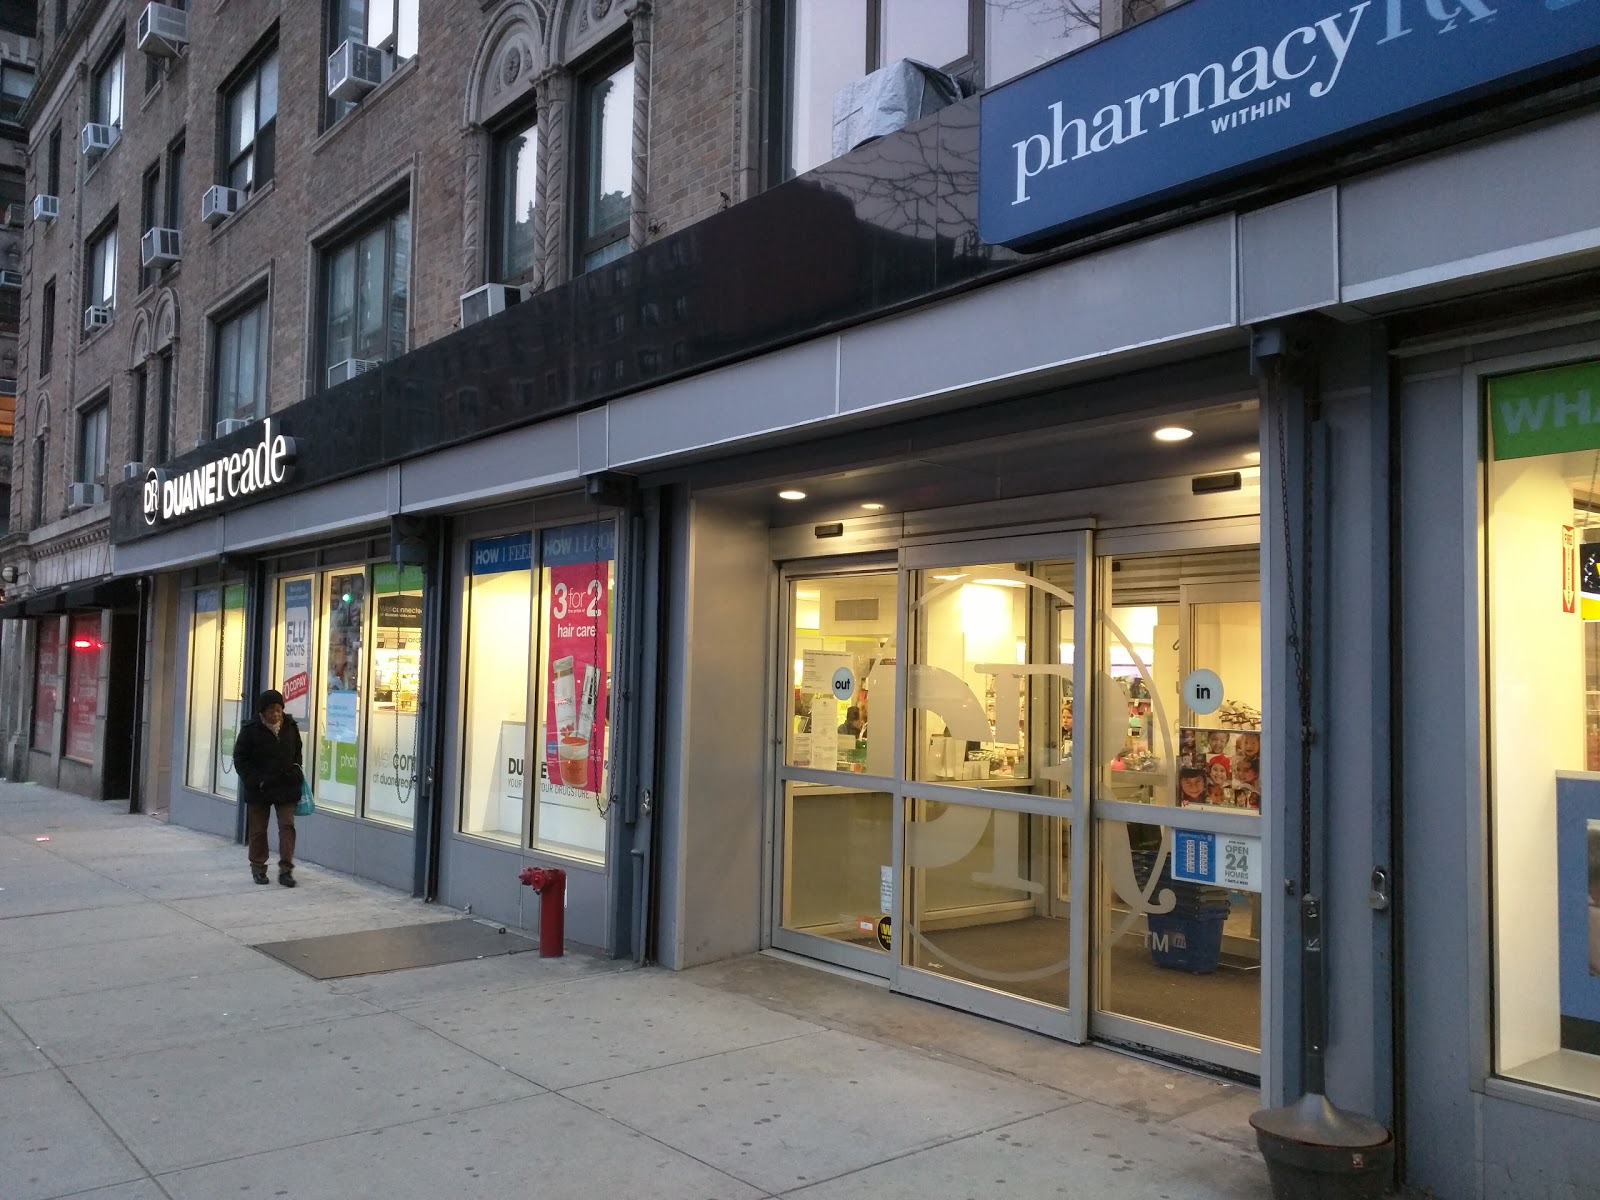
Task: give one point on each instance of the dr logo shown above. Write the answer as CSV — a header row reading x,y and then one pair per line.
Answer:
x,y
844,684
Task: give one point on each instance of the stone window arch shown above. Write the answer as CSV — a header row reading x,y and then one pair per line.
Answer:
x,y
524,65
139,340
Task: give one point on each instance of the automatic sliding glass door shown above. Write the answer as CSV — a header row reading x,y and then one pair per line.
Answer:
x,y
837,810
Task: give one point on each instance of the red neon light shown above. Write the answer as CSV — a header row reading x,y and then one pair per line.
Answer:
x,y
85,644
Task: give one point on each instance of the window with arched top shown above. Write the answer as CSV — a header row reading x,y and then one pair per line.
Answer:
x,y
549,180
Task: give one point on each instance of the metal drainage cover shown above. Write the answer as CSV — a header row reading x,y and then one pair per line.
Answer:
x,y
373,951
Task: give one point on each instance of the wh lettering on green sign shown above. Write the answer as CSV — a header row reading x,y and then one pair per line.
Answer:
x,y
1546,412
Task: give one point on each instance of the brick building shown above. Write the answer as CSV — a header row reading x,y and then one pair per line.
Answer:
x,y
1006,528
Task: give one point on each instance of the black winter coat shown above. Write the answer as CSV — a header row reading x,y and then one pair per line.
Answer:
x,y
268,764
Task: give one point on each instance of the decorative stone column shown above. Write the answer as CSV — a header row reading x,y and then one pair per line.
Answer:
x,y
639,13
472,258
553,93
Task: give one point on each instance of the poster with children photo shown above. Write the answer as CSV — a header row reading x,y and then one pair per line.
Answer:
x,y
1220,767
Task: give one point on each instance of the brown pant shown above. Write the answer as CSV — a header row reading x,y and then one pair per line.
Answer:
x,y
255,833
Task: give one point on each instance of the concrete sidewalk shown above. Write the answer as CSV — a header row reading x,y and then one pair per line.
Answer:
x,y
147,1051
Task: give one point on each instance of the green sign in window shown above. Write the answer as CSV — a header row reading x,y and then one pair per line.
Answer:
x,y
1545,412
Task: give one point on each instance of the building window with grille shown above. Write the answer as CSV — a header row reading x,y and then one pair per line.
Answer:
x,y
100,274
47,328
52,161
982,42
605,179
516,181
94,424
16,85
107,94
240,377
389,26
149,217
251,119
365,285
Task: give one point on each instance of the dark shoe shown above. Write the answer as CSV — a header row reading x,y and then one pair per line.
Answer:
x,y
259,876
284,877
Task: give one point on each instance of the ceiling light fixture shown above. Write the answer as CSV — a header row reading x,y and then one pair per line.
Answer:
x,y
872,506
1173,433
791,494
1252,456
951,578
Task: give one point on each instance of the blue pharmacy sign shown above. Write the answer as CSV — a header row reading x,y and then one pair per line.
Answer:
x,y
1218,88
1194,856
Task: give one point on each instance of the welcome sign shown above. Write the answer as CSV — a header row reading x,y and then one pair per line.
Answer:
x,y
1216,88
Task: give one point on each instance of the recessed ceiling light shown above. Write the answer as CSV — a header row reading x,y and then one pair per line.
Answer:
x,y
1252,456
1173,433
872,506
951,578
791,494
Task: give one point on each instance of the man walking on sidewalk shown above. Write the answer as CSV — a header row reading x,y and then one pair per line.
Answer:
x,y
266,757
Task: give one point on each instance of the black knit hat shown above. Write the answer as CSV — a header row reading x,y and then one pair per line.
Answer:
x,y
268,699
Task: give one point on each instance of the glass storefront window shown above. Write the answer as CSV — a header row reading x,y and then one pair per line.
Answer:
x,y
83,686
231,708
216,685
396,665
577,582
46,684
338,713
202,699
1543,670
498,638
841,645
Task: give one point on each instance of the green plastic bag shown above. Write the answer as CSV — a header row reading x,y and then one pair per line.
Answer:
x,y
306,806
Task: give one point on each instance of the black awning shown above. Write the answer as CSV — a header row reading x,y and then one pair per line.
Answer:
x,y
11,610
104,593
46,603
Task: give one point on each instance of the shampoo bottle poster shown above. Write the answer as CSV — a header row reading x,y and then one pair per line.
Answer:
x,y
579,597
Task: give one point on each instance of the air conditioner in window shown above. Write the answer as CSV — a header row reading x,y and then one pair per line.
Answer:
x,y
160,247
354,70
163,30
96,316
231,425
46,208
10,279
84,495
132,470
889,98
341,372
16,215
219,203
485,301
96,139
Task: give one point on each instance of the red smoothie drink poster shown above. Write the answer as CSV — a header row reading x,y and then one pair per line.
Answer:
x,y
579,597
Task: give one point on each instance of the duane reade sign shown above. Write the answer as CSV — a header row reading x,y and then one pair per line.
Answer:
x,y
235,476
1218,88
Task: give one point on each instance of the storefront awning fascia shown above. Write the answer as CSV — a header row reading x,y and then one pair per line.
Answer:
x,y
47,603
103,593
12,609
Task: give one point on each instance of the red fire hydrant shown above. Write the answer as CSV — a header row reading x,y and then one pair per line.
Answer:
x,y
551,884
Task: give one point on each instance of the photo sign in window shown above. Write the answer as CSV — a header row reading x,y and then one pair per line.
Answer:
x,y
338,756
578,560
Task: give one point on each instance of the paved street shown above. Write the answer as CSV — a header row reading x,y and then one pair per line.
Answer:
x,y
148,1051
